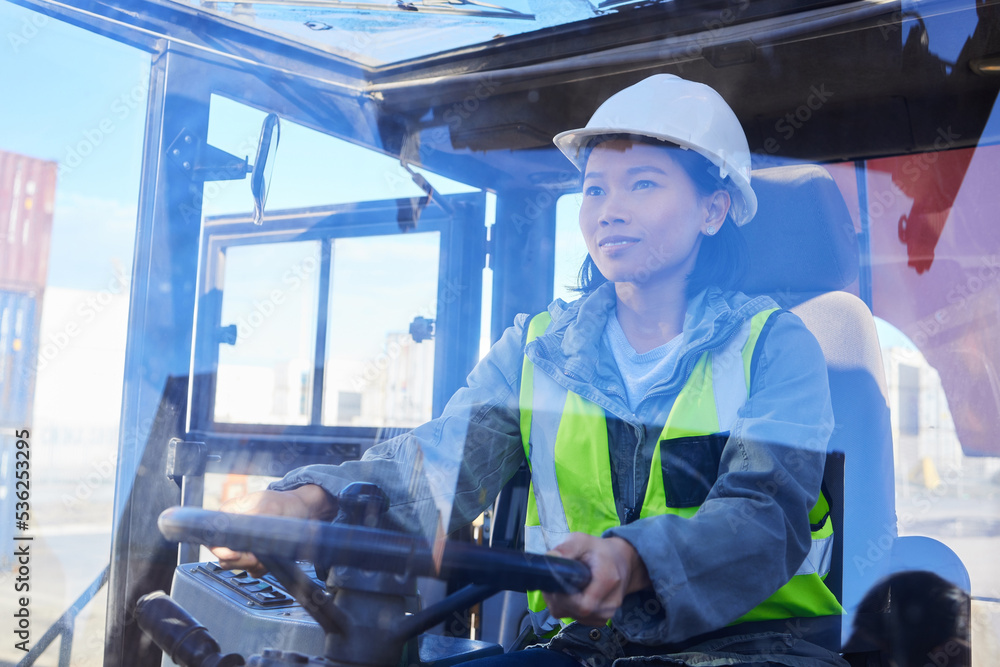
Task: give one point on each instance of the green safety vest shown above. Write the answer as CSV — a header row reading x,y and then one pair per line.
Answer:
x,y
571,489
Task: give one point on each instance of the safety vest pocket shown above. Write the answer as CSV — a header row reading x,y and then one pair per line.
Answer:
x,y
690,466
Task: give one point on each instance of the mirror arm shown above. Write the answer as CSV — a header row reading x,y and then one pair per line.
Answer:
x,y
203,162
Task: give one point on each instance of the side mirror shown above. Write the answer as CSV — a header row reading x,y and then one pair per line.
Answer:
x,y
263,165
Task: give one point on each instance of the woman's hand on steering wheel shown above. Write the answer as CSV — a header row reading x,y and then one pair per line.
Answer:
x,y
305,502
616,570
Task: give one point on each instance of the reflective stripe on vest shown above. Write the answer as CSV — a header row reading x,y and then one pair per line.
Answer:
x,y
565,440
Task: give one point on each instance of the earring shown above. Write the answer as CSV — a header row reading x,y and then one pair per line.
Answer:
x,y
710,230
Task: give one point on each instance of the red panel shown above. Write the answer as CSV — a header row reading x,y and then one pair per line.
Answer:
x,y
936,274
27,199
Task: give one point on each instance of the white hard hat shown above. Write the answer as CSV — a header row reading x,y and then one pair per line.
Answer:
x,y
686,113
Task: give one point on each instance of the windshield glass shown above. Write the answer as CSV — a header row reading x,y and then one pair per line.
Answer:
x,y
376,32
161,348
70,166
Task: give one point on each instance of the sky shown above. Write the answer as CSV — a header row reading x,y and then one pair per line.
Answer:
x,y
79,100
82,103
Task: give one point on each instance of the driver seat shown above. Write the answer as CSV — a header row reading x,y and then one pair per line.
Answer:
x,y
803,252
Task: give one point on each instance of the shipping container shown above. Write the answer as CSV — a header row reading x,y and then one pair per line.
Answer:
x,y
27,200
19,330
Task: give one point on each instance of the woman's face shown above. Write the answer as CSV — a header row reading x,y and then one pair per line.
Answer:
x,y
642,217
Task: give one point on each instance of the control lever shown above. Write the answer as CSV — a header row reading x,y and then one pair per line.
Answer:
x,y
361,504
358,504
179,635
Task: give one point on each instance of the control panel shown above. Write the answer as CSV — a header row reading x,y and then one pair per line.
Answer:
x,y
248,615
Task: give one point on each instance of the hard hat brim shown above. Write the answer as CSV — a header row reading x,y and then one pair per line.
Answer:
x,y
573,144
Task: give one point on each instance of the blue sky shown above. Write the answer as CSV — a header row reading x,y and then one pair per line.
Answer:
x,y
70,92
80,99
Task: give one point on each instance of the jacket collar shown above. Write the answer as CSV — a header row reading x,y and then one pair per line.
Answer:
x,y
571,346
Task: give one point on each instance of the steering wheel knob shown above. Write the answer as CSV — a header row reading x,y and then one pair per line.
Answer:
x,y
361,504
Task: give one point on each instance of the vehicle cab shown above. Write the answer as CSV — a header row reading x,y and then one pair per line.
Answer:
x,y
240,238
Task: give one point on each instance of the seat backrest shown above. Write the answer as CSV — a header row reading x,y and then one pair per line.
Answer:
x,y
802,241
804,250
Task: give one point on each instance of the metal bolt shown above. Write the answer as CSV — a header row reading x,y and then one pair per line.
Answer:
x,y
186,164
176,151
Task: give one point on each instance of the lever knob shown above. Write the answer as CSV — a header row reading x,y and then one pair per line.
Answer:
x,y
361,504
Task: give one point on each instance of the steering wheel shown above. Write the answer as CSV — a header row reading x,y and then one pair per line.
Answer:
x,y
362,613
374,549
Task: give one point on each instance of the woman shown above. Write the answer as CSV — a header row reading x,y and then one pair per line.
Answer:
x,y
675,428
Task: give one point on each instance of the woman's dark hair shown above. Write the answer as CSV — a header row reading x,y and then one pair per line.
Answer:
x,y
723,259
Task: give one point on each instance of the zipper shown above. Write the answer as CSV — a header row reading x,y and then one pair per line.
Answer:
x,y
610,390
630,511
695,354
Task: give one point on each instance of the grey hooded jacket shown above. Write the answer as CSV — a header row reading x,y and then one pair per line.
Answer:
x,y
751,532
